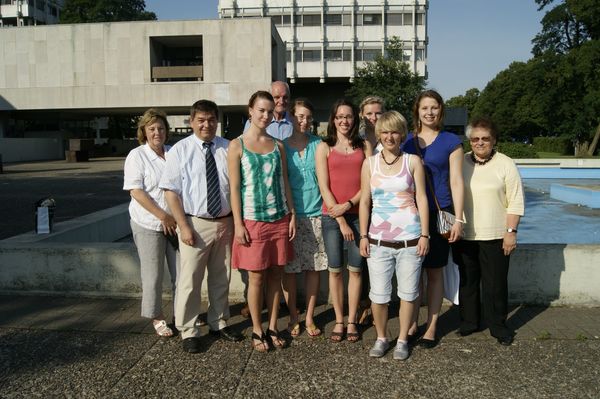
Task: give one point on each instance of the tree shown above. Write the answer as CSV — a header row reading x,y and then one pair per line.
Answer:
x,y
82,11
389,77
468,100
561,32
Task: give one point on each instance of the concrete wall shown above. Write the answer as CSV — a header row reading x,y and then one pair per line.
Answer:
x,y
539,274
18,150
107,65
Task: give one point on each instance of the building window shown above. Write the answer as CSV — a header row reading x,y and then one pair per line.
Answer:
x,y
311,55
176,58
338,55
53,11
420,54
41,5
369,19
333,19
420,18
367,54
407,18
394,19
288,55
281,20
311,20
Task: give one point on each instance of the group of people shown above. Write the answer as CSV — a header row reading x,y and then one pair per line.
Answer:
x,y
278,201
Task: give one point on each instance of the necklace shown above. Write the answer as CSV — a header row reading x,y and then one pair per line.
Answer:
x,y
478,162
390,164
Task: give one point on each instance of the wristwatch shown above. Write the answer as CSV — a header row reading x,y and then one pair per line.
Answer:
x,y
511,230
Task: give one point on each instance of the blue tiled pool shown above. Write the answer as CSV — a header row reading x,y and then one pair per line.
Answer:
x,y
548,220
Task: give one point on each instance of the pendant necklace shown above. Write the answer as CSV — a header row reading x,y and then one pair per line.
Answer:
x,y
390,164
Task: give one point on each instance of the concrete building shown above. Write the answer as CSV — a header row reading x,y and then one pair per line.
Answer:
x,y
29,12
57,80
326,41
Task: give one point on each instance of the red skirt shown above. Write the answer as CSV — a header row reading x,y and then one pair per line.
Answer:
x,y
269,246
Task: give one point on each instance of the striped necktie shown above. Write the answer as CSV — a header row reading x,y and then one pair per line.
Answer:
x,y
213,198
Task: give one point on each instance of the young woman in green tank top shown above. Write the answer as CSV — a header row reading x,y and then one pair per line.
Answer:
x,y
263,215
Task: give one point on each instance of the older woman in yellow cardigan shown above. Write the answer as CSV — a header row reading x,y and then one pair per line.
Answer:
x,y
494,204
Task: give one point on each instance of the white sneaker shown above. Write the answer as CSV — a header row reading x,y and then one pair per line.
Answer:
x,y
379,348
401,351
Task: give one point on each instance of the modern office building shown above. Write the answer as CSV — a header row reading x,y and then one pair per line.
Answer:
x,y
58,81
29,12
327,40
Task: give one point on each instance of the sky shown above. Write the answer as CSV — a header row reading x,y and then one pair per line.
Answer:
x,y
470,41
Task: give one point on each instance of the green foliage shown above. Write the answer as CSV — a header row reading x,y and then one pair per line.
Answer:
x,y
82,11
559,145
390,78
517,150
468,100
556,93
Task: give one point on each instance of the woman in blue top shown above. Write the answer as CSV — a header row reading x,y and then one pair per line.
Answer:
x,y
310,257
442,156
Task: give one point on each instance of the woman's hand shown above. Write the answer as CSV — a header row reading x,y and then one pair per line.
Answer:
x,y
423,246
241,235
509,243
338,209
186,234
365,247
292,226
456,232
169,224
346,231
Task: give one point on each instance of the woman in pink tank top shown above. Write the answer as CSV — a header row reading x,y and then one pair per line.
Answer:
x,y
338,162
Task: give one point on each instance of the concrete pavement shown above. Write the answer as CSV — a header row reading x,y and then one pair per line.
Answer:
x,y
77,347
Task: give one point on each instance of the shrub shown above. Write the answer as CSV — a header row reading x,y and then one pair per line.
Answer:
x,y
517,150
560,145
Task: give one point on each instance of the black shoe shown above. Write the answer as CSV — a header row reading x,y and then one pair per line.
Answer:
x,y
191,345
428,343
227,334
506,340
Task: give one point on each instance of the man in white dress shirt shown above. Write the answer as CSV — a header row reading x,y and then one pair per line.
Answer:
x,y
197,193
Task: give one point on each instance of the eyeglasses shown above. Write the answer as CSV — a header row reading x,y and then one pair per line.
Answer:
x,y
344,117
485,139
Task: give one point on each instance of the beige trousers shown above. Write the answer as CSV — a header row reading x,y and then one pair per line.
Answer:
x,y
211,253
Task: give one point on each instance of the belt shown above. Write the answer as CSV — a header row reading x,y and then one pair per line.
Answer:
x,y
203,218
395,245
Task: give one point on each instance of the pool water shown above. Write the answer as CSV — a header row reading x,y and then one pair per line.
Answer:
x,y
551,221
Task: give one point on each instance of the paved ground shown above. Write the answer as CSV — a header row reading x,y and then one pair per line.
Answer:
x,y
77,188
73,347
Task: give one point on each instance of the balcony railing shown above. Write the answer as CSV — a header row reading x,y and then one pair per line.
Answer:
x,y
165,73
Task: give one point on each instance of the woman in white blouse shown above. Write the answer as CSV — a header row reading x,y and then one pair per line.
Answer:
x,y
151,224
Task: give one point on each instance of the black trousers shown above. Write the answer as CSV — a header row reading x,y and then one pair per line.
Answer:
x,y
483,263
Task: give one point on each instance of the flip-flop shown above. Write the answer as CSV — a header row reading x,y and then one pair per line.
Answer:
x,y
294,329
312,330
275,340
262,346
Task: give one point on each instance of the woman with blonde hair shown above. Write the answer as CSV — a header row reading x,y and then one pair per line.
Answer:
x,y
394,234
151,223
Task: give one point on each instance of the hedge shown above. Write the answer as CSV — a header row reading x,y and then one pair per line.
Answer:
x,y
561,145
513,150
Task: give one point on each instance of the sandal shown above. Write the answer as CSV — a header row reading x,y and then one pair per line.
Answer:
x,y
353,336
312,330
337,336
294,329
274,339
162,329
262,345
